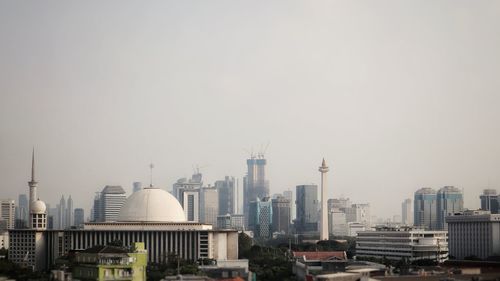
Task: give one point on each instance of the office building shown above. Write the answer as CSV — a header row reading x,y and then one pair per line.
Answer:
x,y
425,208
339,203
474,233
255,186
191,204
7,213
136,186
69,212
184,184
490,201
402,243
307,209
281,215
61,213
288,194
79,217
227,195
337,222
260,219
323,222
354,227
107,204
407,212
22,213
449,200
359,213
209,205
228,221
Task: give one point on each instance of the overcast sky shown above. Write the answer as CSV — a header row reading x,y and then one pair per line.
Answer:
x,y
396,95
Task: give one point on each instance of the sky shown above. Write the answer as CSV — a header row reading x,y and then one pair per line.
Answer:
x,y
395,95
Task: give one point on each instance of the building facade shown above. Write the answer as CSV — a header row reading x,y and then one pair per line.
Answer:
x,y
407,212
209,205
191,204
255,185
490,201
307,209
474,234
449,201
359,213
227,195
79,217
281,215
7,213
402,243
425,208
260,219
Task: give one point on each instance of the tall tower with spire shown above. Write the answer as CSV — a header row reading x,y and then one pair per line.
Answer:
x,y
323,226
38,209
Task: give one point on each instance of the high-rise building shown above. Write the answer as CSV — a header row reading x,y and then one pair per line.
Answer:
x,y
256,185
323,222
449,201
307,209
260,218
79,217
281,215
23,209
407,212
61,213
474,233
424,208
136,186
69,212
7,213
227,195
96,213
183,184
231,222
288,194
113,198
339,203
337,222
209,205
490,201
359,213
191,204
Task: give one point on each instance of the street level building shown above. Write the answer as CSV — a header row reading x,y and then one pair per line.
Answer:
x,y
402,243
474,233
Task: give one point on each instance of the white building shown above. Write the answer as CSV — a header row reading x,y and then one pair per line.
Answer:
x,y
474,233
407,212
4,240
191,204
7,213
354,227
359,213
399,243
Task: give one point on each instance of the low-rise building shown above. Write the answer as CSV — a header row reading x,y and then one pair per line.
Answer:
x,y
111,263
402,243
474,233
313,263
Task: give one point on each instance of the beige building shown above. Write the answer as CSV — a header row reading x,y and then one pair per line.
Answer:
x,y
7,213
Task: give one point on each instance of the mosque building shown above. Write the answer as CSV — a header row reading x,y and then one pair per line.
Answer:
x,y
151,215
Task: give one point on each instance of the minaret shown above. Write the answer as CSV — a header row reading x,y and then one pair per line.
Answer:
x,y
323,225
33,184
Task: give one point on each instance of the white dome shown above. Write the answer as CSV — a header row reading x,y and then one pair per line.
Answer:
x,y
151,205
38,207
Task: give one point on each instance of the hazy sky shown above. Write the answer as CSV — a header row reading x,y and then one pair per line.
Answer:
x,y
396,95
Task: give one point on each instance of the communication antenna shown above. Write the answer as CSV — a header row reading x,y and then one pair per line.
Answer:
x,y
151,166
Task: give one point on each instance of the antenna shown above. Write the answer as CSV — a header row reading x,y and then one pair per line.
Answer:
x,y
151,166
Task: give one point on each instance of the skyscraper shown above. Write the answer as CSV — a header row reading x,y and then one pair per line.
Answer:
x,y
425,208
255,185
226,190
23,209
191,204
113,198
288,194
323,225
490,201
61,213
281,215
183,184
69,212
209,205
407,212
449,201
307,209
260,218
7,213
79,217
359,213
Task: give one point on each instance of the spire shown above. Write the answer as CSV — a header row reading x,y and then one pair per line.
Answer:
x,y
33,165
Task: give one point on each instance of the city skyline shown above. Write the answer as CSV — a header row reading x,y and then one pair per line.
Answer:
x,y
396,97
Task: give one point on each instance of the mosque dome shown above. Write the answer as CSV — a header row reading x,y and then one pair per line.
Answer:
x,y
151,205
38,207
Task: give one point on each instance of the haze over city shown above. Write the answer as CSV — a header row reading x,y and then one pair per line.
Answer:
x,y
394,95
